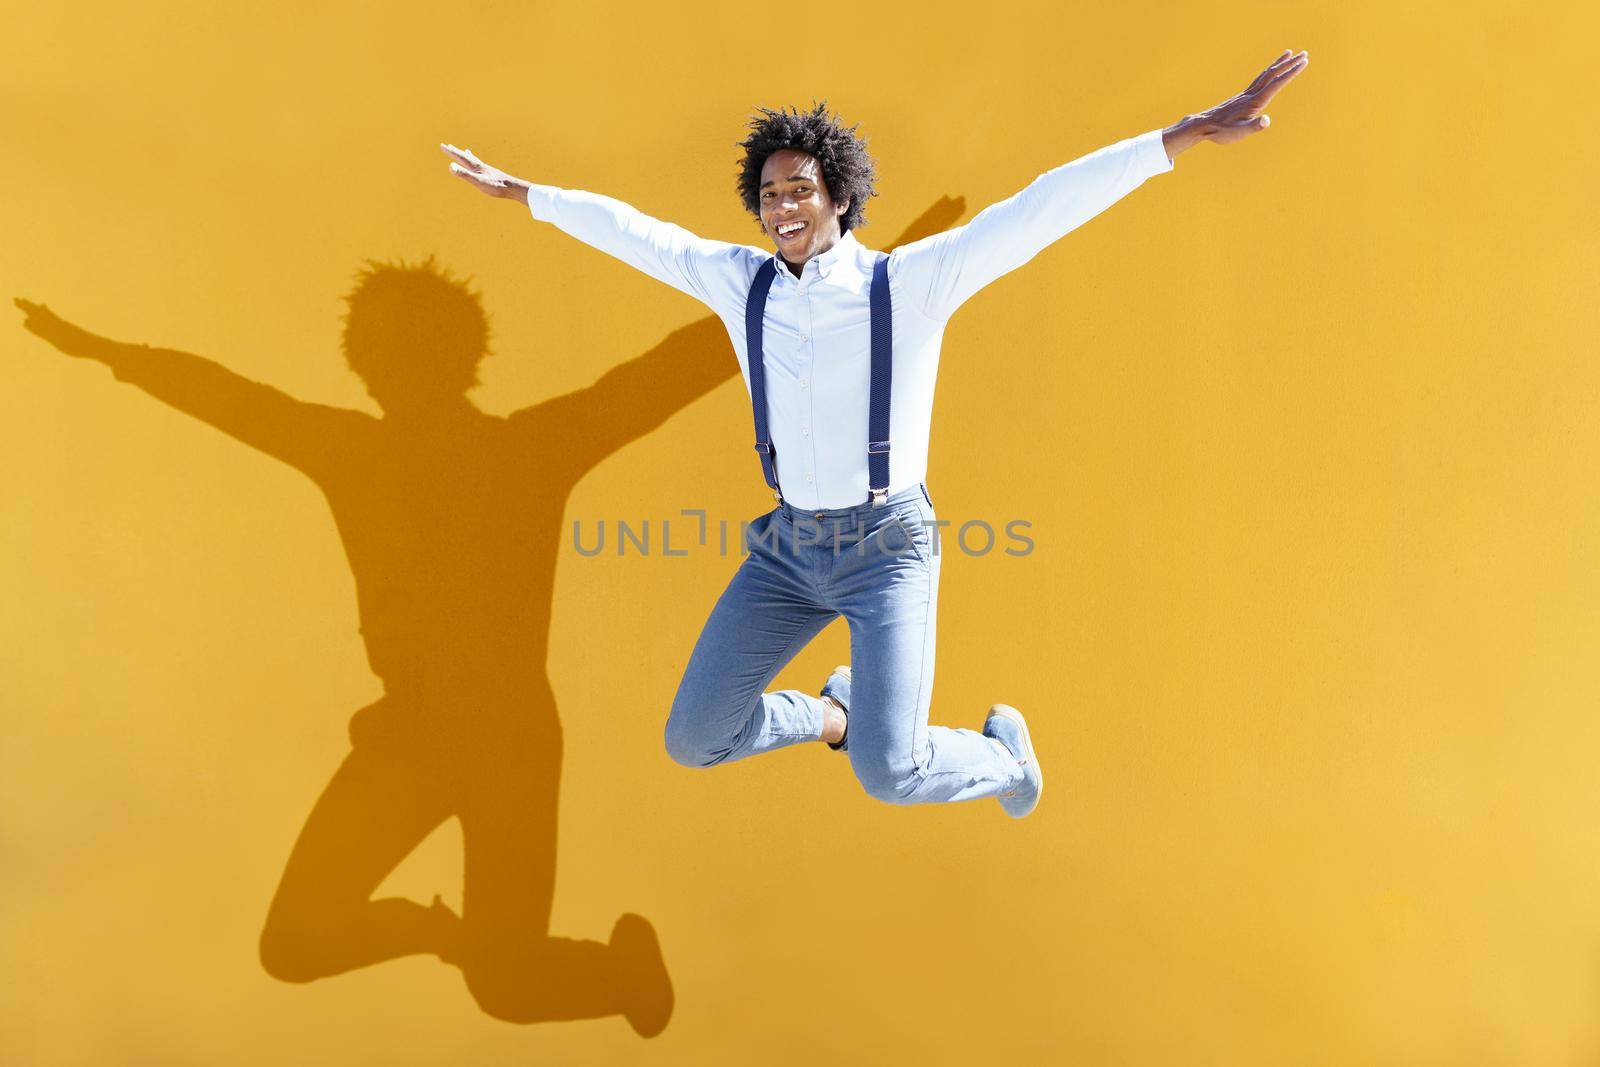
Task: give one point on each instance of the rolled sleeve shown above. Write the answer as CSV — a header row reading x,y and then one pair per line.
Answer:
x,y
1152,151
541,202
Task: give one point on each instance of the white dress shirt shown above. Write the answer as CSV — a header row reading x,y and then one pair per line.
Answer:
x,y
817,337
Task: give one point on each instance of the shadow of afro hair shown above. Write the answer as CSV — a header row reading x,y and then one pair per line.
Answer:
x,y
846,167
416,322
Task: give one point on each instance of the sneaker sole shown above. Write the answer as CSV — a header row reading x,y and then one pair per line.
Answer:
x,y
1006,711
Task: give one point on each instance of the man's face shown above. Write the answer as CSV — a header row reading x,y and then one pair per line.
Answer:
x,y
792,191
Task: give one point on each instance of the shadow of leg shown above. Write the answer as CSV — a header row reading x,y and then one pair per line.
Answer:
x,y
379,805
514,969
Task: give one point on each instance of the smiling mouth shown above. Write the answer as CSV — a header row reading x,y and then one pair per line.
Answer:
x,y
790,230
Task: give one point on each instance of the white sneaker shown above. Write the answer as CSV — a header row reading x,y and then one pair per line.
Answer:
x,y
1006,725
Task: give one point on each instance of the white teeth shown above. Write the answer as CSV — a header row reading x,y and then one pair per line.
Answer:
x,y
790,227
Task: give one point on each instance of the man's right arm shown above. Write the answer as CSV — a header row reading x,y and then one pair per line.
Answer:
x,y
666,252
709,271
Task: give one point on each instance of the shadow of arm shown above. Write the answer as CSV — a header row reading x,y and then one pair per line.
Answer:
x,y
635,398
944,213
258,415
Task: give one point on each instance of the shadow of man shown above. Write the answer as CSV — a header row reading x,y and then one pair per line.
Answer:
x,y
451,520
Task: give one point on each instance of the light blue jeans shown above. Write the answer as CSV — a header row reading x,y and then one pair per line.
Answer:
x,y
879,568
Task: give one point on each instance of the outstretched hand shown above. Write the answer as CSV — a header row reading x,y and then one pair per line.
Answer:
x,y
486,179
1239,116
73,340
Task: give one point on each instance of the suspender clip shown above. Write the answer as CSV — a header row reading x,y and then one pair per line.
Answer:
x,y
877,446
878,496
764,447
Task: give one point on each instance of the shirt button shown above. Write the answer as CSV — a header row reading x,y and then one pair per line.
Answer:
x,y
809,478
805,431
804,382
805,337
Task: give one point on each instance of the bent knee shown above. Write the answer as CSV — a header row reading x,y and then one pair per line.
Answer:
x,y
513,994
892,783
685,746
288,956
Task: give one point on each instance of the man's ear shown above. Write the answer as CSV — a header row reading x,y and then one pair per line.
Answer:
x,y
840,207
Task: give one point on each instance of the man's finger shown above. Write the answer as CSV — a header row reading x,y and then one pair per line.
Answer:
x,y
461,171
1277,65
476,179
1261,79
1266,72
1266,91
1289,68
1269,90
1275,69
456,154
466,158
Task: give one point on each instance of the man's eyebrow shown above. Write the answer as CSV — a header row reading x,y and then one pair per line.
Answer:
x,y
792,178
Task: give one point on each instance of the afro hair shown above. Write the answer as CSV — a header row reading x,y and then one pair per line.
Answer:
x,y
846,167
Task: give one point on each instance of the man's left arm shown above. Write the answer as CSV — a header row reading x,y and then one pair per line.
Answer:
x,y
940,273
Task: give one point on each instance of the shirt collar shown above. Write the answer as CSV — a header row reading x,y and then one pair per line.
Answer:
x,y
824,264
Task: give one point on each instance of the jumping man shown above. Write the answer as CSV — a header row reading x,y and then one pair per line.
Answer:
x,y
839,346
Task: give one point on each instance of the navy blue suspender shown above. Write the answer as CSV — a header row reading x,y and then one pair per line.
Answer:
x,y
882,377
878,394
754,308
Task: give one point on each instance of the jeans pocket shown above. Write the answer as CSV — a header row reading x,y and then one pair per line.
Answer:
x,y
916,539
763,532
929,526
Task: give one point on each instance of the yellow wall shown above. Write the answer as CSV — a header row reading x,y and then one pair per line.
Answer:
x,y
1306,430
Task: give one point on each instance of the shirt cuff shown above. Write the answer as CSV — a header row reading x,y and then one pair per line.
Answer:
x,y
1152,153
541,201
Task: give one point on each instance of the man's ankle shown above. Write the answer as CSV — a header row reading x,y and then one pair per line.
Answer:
x,y
834,721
